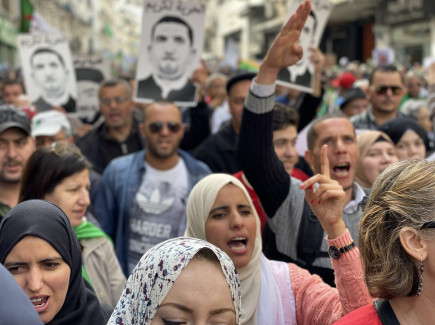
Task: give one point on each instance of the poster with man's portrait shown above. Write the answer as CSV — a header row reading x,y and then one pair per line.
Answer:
x,y
48,71
171,44
90,71
301,74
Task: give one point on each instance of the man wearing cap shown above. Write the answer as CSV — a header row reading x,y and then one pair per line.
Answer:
x,y
354,102
218,151
385,94
49,127
16,146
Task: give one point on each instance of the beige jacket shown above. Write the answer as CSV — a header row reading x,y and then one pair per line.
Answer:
x,y
103,269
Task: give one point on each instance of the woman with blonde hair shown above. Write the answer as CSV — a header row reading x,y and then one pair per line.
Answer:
x,y
377,152
397,243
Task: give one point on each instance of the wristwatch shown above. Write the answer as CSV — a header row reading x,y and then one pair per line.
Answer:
x,y
335,252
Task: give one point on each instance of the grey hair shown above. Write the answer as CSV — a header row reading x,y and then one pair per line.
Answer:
x,y
116,82
411,107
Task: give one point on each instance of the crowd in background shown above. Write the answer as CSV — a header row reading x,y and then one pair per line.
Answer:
x,y
258,174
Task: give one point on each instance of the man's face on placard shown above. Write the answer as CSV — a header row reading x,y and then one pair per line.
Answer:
x,y
307,37
170,50
50,74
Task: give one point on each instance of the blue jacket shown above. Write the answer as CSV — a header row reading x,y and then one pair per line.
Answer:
x,y
118,186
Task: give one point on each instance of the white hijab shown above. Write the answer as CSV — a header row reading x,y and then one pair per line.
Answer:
x,y
156,272
201,200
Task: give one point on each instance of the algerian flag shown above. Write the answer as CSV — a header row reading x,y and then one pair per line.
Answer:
x,y
26,15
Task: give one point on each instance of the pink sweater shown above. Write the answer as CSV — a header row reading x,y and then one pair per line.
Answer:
x,y
318,303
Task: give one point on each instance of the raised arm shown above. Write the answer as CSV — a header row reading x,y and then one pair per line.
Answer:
x,y
255,152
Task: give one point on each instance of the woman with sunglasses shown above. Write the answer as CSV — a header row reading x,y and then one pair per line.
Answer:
x,y
39,247
409,137
60,174
397,243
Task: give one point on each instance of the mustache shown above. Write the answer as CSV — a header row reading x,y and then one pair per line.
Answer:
x,y
12,162
169,57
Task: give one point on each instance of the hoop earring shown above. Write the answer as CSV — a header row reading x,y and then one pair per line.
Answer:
x,y
420,282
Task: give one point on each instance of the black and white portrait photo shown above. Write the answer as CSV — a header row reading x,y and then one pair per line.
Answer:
x,y
91,71
300,75
48,72
171,45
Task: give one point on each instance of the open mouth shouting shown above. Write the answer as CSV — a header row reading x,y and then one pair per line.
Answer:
x,y
40,303
341,170
238,244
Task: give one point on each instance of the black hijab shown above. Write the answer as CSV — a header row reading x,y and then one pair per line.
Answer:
x,y
395,128
45,220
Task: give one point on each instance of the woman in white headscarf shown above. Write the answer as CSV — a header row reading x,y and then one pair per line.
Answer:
x,y
220,211
181,281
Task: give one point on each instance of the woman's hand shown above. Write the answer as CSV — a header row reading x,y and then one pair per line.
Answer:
x,y
326,199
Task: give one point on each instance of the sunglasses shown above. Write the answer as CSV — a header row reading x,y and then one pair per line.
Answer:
x,y
157,127
382,90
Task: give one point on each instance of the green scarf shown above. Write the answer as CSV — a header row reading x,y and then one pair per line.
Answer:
x,y
88,230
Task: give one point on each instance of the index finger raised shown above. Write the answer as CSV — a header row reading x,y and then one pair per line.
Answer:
x,y
324,161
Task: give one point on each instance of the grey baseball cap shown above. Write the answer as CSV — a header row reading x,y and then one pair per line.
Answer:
x,y
12,117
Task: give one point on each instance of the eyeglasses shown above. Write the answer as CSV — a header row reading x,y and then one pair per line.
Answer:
x,y
117,100
157,127
382,90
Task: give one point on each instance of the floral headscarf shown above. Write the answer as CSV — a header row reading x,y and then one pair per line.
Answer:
x,y
156,272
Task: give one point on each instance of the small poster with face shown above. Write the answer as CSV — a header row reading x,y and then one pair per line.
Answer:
x,y
48,71
171,45
91,71
383,56
301,74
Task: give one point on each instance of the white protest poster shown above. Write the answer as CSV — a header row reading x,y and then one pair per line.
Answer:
x,y
48,71
301,75
91,71
232,54
383,56
171,44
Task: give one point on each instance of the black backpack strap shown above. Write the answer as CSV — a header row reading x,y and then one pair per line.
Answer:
x,y
385,312
310,238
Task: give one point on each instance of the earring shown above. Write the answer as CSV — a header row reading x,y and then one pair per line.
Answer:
x,y
420,282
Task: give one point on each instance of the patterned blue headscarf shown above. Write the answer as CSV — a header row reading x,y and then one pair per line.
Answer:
x,y
156,272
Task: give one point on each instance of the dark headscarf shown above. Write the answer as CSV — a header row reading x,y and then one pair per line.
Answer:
x,y
397,126
15,306
45,220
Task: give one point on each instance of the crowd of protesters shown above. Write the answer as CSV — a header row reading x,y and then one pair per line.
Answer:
x,y
260,205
